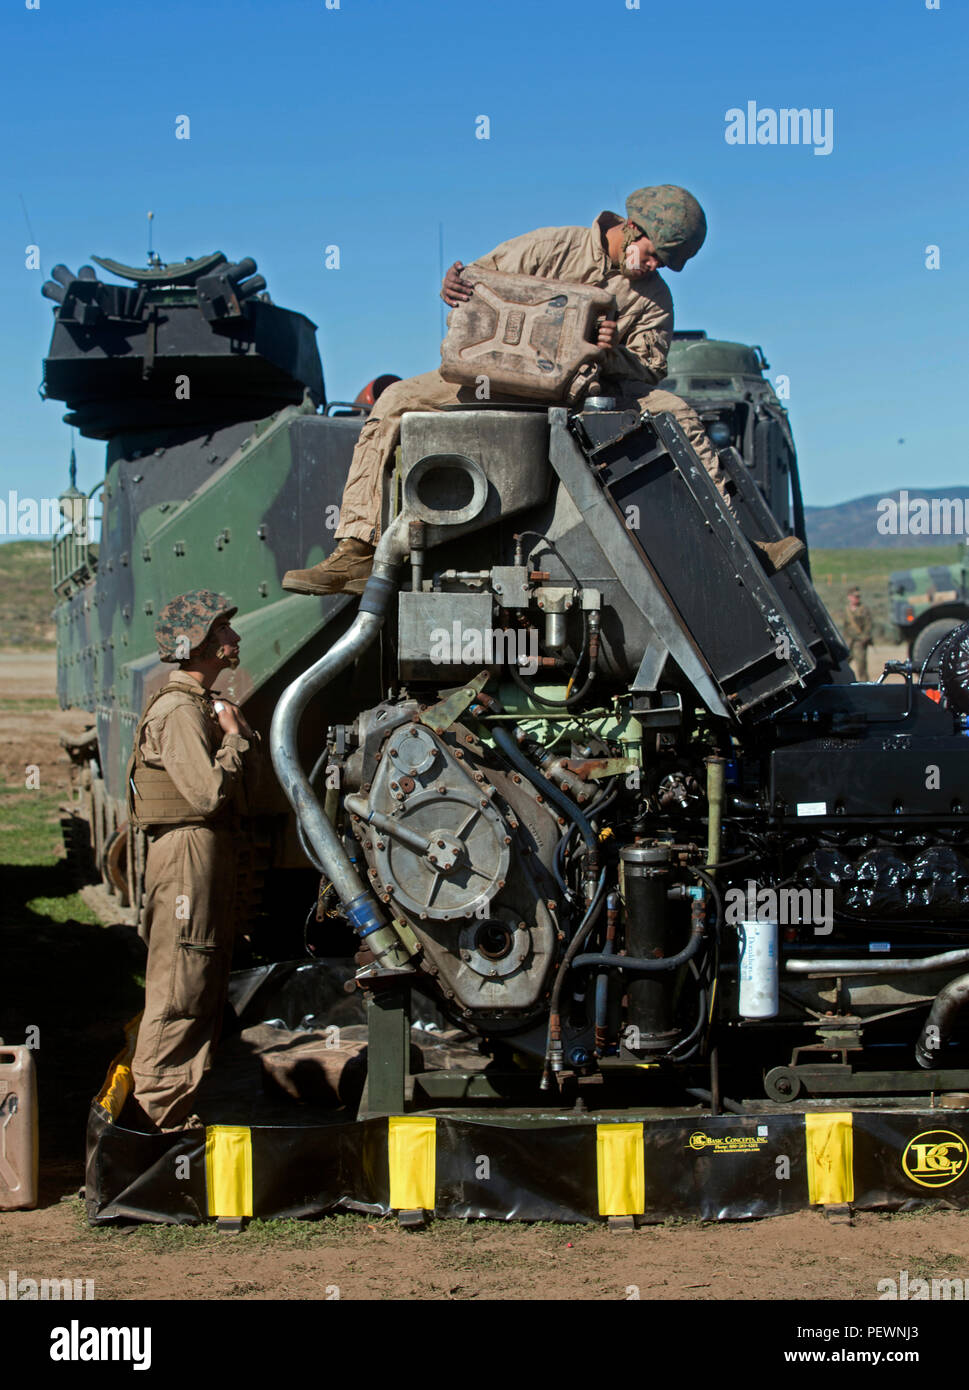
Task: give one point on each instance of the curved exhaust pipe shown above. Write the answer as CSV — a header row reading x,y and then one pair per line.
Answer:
x,y
942,1015
359,904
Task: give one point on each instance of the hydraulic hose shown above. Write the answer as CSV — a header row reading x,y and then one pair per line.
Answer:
x,y
553,1050
359,905
505,741
942,1015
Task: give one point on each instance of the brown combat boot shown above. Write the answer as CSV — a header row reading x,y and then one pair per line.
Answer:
x,y
345,572
777,555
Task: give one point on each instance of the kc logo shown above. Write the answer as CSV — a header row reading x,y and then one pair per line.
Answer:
x,y
935,1157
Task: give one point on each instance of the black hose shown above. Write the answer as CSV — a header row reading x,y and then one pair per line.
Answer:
x,y
647,965
644,965
577,696
555,551
549,790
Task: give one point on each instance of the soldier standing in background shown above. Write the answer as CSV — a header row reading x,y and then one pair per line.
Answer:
x,y
858,629
191,769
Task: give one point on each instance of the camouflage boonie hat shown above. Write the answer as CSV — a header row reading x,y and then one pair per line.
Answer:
x,y
672,219
186,621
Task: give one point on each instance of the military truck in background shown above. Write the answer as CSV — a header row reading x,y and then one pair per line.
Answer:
x,y
928,603
224,467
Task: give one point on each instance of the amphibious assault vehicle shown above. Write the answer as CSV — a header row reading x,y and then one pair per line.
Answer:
x,y
576,768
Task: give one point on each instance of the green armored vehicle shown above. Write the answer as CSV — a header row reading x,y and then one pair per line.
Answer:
x,y
928,603
725,383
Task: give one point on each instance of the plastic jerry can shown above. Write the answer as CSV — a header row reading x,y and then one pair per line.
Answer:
x,y
528,336
18,1128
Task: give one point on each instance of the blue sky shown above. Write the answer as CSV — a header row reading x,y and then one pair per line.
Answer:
x,y
355,126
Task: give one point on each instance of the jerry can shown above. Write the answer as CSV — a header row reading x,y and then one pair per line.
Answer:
x,y
530,337
18,1128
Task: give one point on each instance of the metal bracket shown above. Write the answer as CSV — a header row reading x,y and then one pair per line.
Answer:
x,y
442,715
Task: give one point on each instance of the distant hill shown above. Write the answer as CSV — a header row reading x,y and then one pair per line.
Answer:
x,y
854,524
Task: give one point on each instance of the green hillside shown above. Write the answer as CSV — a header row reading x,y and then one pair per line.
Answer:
x,y
26,600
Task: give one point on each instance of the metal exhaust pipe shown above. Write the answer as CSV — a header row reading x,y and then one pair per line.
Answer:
x,y
942,1015
359,904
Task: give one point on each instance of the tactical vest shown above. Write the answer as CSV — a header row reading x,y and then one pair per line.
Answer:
x,y
152,797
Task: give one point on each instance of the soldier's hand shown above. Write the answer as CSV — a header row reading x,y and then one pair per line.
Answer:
x,y
231,718
607,333
454,290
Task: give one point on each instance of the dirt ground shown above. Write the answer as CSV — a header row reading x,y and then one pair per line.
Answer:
x,y
800,1257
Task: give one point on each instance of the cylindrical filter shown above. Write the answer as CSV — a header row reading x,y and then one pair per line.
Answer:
x,y
759,976
18,1128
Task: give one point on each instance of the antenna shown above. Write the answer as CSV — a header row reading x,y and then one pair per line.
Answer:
x,y
151,254
72,467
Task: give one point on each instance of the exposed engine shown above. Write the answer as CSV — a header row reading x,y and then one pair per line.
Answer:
x,y
620,804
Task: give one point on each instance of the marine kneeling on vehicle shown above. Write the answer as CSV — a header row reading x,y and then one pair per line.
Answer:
x,y
191,775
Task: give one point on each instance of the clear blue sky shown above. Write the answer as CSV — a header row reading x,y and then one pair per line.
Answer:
x,y
355,126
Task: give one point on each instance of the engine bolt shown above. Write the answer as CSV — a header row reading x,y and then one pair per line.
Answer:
x,y
507,840
423,916
521,926
432,858
393,753
458,754
440,844
484,803
551,904
381,845
385,898
501,883
442,791
394,786
515,778
469,738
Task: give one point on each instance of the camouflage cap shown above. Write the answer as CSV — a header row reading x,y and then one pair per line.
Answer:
x,y
672,219
186,621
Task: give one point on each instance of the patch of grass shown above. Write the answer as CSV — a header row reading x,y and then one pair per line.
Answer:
x,y
26,600
28,704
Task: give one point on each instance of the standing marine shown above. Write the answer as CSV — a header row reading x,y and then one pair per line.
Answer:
x,y
664,226
858,631
191,772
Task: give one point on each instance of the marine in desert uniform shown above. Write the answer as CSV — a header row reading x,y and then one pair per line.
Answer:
x,y
192,769
664,226
858,631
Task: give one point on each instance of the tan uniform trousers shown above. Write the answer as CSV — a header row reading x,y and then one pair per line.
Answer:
x,y
189,881
360,508
858,657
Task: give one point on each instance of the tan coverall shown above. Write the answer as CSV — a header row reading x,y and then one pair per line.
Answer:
x,y
577,254
189,887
